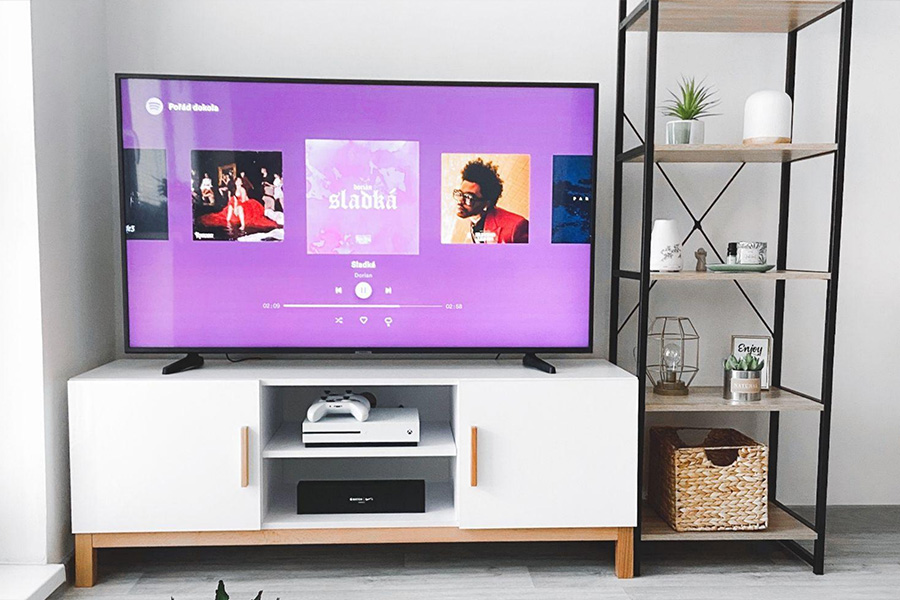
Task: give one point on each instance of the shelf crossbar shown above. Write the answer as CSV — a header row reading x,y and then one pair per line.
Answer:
x,y
800,551
793,513
801,394
630,154
698,227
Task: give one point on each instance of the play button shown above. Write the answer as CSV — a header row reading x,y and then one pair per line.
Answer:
x,y
363,290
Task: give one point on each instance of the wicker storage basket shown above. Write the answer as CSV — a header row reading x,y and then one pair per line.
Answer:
x,y
719,485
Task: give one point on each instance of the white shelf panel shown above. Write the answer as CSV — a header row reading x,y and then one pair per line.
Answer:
x,y
439,512
436,440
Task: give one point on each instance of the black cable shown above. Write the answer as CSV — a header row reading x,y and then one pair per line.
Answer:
x,y
237,360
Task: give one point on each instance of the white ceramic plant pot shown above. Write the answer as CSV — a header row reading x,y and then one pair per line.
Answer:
x,y
665,246
768,116
685,132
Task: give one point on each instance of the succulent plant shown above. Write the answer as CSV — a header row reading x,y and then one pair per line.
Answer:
x,y
747,363
693,100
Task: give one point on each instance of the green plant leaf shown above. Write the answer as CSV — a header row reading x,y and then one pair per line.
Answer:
x,y
693,100
220,591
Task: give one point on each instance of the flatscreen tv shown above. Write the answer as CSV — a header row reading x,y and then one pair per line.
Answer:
x,y
282,215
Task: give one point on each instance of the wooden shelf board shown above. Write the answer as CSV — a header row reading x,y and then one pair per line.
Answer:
x,y
436,440
782,526
736,153
709,399
439,512
737,16
740,276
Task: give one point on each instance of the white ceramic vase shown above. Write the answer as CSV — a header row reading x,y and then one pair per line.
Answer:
x,y
685,132
665,246
768,116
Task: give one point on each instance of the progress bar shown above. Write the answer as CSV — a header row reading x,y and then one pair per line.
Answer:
x,y
364,306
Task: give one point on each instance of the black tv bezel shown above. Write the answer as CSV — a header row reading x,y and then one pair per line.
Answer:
x,y
129,349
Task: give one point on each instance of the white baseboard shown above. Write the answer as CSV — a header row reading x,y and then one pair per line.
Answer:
x,y
30,582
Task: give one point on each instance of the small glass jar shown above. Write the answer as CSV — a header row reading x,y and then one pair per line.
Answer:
x,y
731,256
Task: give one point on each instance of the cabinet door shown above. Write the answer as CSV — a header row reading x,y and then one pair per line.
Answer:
x,y
549,454
164,456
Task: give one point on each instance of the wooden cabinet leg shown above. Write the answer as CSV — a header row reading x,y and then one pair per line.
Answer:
x,y
85,560
625,553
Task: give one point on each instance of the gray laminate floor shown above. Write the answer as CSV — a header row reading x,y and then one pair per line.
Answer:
x,y
863,563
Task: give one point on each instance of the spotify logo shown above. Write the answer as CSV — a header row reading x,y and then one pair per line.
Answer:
x,y
154,106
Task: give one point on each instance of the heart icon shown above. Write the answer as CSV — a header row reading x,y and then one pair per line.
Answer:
x,y
364,320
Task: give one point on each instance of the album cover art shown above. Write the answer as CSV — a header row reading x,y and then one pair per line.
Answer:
x,y
237,195
573,199
485,198
362,197
146,194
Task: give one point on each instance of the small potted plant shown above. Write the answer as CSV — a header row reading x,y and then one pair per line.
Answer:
x,y
692,102
743,381
221,594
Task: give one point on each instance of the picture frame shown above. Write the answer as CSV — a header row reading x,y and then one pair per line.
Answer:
x,y
761,347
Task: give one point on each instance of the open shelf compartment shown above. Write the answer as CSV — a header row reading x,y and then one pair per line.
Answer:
x,y
286,460
439,512
782,526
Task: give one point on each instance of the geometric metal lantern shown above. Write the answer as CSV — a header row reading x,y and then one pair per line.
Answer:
x,y
673,355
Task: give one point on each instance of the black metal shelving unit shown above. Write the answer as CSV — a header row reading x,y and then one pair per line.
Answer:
x,y
788,17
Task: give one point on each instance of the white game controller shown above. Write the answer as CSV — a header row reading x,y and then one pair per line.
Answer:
x,y
357,405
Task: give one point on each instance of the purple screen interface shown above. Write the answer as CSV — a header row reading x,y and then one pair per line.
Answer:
x,y
319,215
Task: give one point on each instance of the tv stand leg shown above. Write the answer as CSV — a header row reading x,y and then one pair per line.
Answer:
x,y
533,362
85,560
191,361
625,553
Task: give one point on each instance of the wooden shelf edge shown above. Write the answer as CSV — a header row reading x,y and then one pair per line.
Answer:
x,y
740,276
715,16
782,526
709,399
730,153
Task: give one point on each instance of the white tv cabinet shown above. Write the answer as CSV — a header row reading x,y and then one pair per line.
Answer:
x,y
212,457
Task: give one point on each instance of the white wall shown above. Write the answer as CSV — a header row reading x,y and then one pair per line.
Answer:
x,y
865,445
74,125
55,151
23,506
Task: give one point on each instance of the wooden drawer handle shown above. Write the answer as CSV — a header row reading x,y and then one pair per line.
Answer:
x,y
474,482
245,456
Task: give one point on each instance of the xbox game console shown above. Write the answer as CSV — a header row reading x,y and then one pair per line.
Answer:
x,y
383,427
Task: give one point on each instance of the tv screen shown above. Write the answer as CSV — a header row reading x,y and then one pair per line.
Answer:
x,y
300,215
